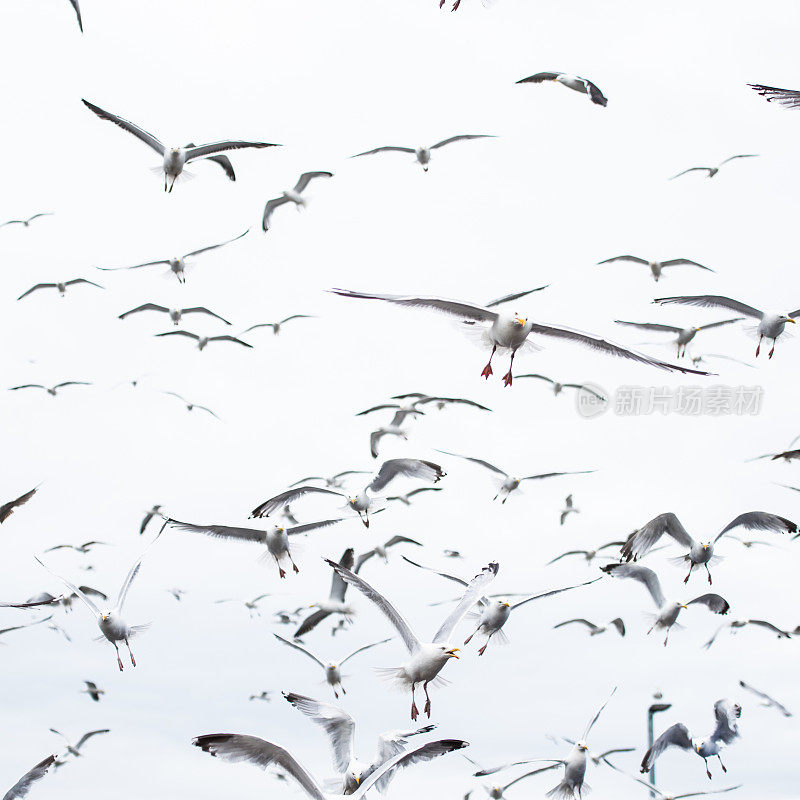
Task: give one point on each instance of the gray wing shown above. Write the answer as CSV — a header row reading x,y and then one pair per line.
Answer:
x,y
643,539
339,586
446,575
720,324
83,280
470,597
687,262
712,301
715,603
455,400
307,177
543,475
34,288
141,134
363,648
762,623
551,593
7,509
453,308
403,539
533,772
135,266
462,137
216,246
741,155
301,649
27,386
764,696
203,310
23,785
179,333
411,642
226,165
539,77
270,206
691,169
144,307
360,561
74,4
311,622
335,721
86,736
284,498
129,579
785,97
72,383
298,316
727,715
590,625
385,149
676,736
381,407
634,259
223,531
537,376
204,150
228,338
238,747
92,607
594,93
407,467
649,326
480,461
620,626
568,553
636,572
509,298
759,521
312,526
596,717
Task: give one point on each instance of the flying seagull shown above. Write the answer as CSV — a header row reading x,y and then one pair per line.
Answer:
x,y
277,326
766,700
509,483
361,503
712,171
657,267
155,511
737,624
559,387
21,788
573,82
423,153
177,264
589,555
725,732
60,285
427,658
660,794
335,603
332,481
78,548
191,406
668,611
441,403
250,605
509,331
265,696
568,509
203,341
332,669
7,509
700,552
51,390
93,691
405,499
75,750
174,158
175,314
387,430
293,195
770,324
682,335
381,550
25,222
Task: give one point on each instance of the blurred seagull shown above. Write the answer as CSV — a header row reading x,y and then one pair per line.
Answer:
x,y
509,483
589,555
401,411
388,430
333,481
78,548
155,511
75,750
333,673
509,331
177,593
21,788
770,324
335,604
7,509
93,691
660,794
656,267
51,390
174,158
422,153
766,700
203,341
60,285
405,499
568,509
293,195
702,552
25,222
668,612
3,631
175,314
381,550
573,82
726,731
361,503
712,171
595,630
277,326
250,605
682,335
737,624
509,298
191,406
559,387
177,264
265,696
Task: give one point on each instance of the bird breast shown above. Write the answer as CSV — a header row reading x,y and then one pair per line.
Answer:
x,y
114,628
668,614
507,332
333,675
423,155
686,335
174,161
277,541
495,616
771,326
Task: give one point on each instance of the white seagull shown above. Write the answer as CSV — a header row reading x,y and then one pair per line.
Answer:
x,y
60,285
51,390
682,335
573,82
203,341
381,550
175,314
656,267
737,624
250,605
712,171
423,153
559,387
174,158
75,750
277,326
25,222
293,195
568,509
191,406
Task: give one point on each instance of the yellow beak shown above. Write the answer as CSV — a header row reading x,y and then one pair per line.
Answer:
x,y
452,653
792,320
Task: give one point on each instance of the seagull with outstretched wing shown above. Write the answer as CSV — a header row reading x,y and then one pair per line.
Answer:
x,y
423,153
294,195
574,82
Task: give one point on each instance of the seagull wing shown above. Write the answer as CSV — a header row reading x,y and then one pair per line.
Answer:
x,y
719,324
741,155
335,721
687,262
759,521
7,509
596,96
634,259
727,715
385,149
135,266
636,572
462,137
533,772
228,338
539,77
145,307
307,177
552,592
364,647
453,308
764,696
691,169
270,206
216,246
403,539
480,461
377,408
301,648
312,526
470,597
339,586
311,622
92,607
675,736
204,150
86,736
649,326
712,301
23,785
555,474
204,310
590,625
785,97
509,298
130,127
34,288
284,498
597,716
568,553
642,540
762,623
715,603
226,165
27,386
537,376
129,579
407,467
223,531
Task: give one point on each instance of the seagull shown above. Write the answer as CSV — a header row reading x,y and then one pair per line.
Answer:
x,y
568,509
401,411
427,658
111,624
509,298
573,82
335,603
387,430
177,593
656,267
726,731
202,341
509,483
497,791
155,511
51,390
589,555
668,612
770,324
250,605
177,264
333,481
60,285
682,335
293,195
174,158
405,499
7,509
559,387
702,552
239,747
276,540
660,794
266,696
191,406
93,691
25,222
595,630
333,669
361,503
341,728
78,548
492,613
380,550
75,750
277,326
175,314
509,331
766,700
23,785
712,171
440,402
423,153
737,624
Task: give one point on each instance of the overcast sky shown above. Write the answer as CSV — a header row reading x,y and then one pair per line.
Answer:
x,y
565,185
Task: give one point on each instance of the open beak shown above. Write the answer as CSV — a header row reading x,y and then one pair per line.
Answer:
x,y
358,780
452,653
522,321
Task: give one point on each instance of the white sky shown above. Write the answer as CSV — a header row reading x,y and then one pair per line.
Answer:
x,y
565,185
